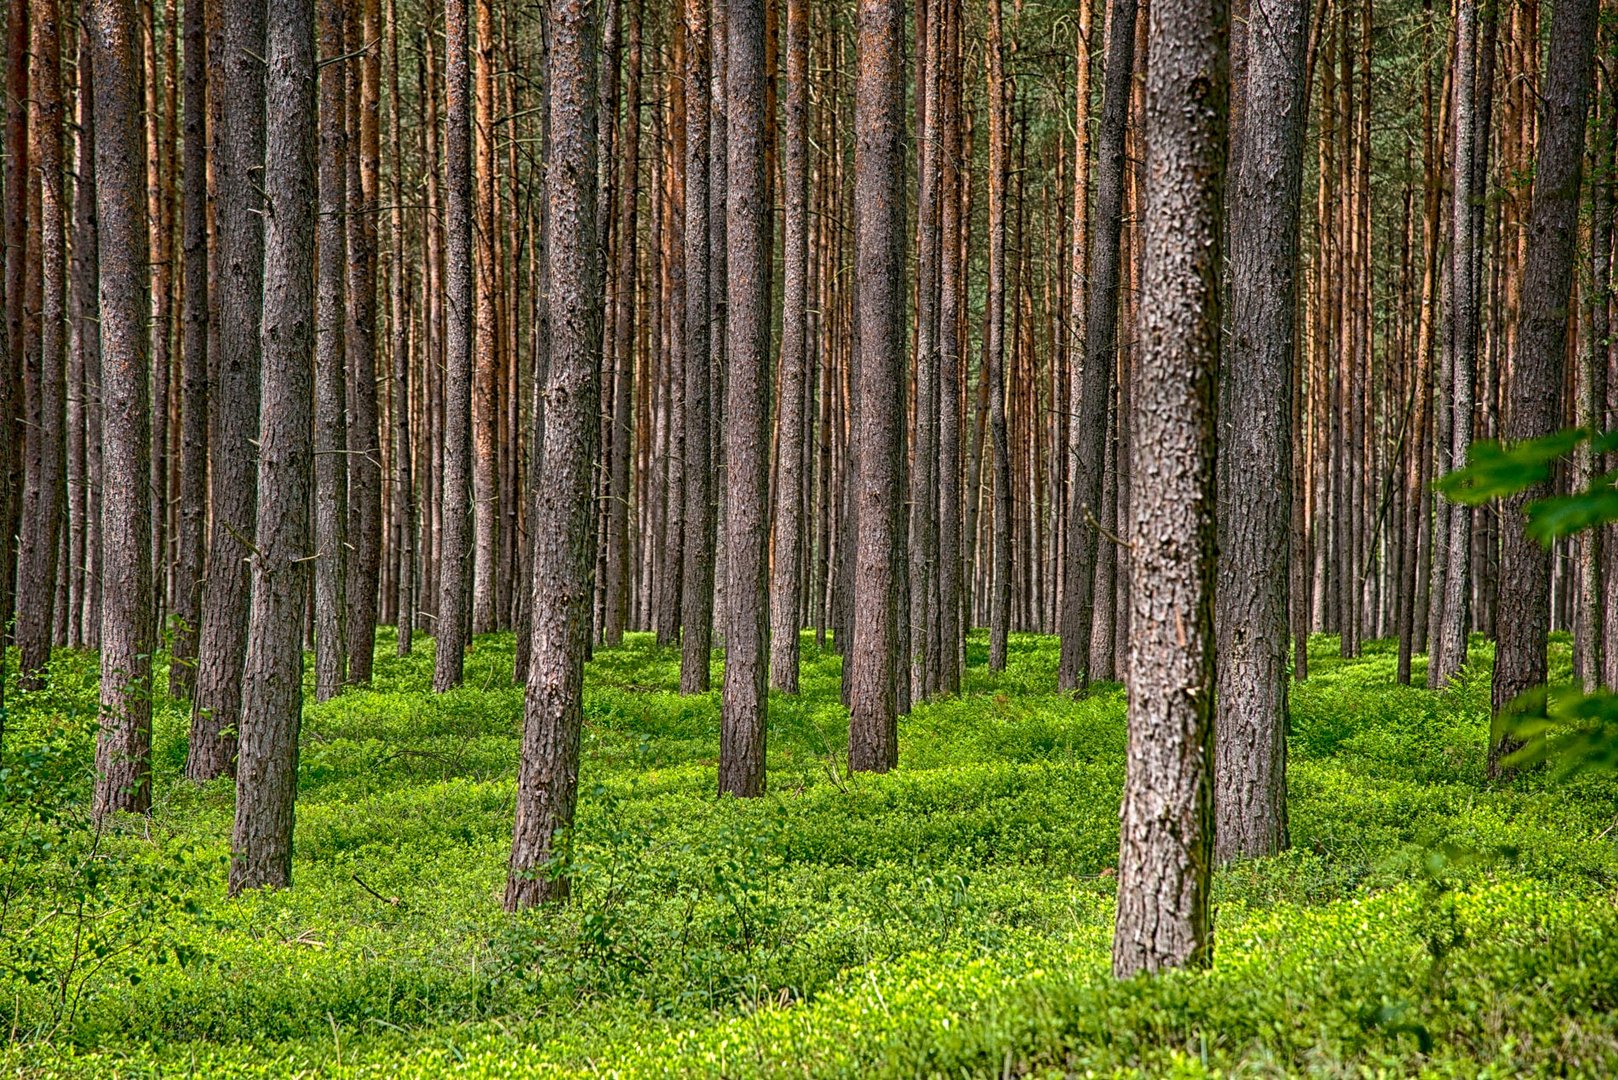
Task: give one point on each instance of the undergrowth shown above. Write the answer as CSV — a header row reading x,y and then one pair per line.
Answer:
x,y
950,918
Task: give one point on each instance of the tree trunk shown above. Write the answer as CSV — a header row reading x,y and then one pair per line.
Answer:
x,y
124,745
1537,364
697,593
747,407
331,376
404,495
44,379
787,586
1164,880
233,417
1098,360
455,549
1256,458
194,380
873,736
261,844
547,781
994,341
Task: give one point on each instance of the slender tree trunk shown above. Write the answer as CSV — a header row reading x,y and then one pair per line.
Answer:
x,y
331,376
995,346
747,407
1256,458
1592,380
787,585
547,781
233,417
1537,364
363,435
124,745
261,844
1098,360
1164,880
45,378
455,548
618,542
950,636
404,493
16,270
194,381
873,737
697,593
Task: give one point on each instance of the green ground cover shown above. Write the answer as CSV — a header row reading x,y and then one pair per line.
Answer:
x,y
952,918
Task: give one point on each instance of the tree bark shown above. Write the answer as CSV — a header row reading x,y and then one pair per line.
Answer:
x,y
547,781
1256,444
1535,404
747,407
994,341
234,406
1098,359
124,745
873,736
455,547
261,843
1166,848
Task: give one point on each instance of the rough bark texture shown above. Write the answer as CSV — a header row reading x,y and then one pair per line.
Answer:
x,y
1535,402
922,557
1256,440
786,596
45,373
1166,839
261,844
747,407
404,493
548,775
1098,360
364,459
194,383
124,745
995,342
234,405
454,539
697,593
331,411
873,734
16,276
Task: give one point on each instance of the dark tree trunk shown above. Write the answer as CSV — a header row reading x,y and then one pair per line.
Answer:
x,y
547,781
455,547
922,557
16,228
45,376
1098,359
1256,443
951,638
873,734
1164,862
787,587
331,376
747,406
124,746
194,381
261,844
1537,365
404,494
696,595
234,406
364,461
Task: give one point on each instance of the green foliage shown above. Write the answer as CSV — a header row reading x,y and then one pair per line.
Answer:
x,y
1496,471
953,917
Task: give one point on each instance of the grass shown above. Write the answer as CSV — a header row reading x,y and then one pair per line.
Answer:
x,y
951,918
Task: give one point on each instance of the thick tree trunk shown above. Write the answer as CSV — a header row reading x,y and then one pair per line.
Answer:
x,y
547,780
45,376
747,407
1164,863
234,406
331,375
787,584
1256,444
1537,364
124,745
1098,360
455,547
261,844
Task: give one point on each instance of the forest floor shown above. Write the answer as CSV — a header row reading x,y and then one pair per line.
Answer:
x,y
953,917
